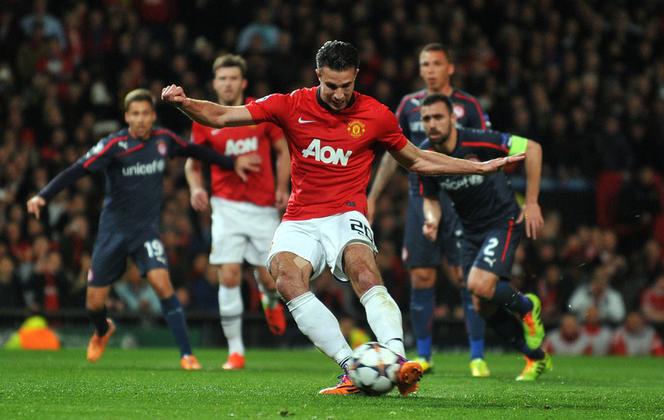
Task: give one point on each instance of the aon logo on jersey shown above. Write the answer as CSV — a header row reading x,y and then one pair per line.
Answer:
x,y
326,154
241,146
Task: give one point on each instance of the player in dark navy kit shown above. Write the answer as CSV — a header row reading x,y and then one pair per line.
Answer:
x,y
493,224
133,161
421,257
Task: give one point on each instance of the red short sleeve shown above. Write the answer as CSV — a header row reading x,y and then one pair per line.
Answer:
x,y
271,108
392,136
198,133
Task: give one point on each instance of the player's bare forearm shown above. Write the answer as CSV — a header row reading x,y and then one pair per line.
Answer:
x,y
193,173
533,165
204,112
385,171
424,162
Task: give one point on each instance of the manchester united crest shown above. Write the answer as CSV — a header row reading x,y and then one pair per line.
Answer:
x,y
356,128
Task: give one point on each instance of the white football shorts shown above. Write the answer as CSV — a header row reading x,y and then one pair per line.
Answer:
x,y
241,231
321,241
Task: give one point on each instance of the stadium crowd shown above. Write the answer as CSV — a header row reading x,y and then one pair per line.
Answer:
x,y
584,78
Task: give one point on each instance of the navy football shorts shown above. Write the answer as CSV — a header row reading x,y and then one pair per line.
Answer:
x,y
418,251
111,250
492,250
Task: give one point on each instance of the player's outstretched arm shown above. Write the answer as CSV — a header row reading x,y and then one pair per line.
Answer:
x,y
432,213
425,162
63,180
385,171
531,212
206,112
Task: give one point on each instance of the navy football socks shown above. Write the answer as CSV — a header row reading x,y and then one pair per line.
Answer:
x,y
474,325
174,316
508,327
511,299
98,319
421,315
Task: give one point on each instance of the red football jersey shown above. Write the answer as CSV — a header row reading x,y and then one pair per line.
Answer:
x,y
331,152
234,141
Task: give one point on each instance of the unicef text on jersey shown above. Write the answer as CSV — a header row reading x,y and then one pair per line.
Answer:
x,y
156,166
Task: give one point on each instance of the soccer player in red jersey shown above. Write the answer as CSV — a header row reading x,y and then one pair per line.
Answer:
x,y
244,216
332,132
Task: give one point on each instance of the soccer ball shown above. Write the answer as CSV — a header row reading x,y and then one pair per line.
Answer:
x,y
374,368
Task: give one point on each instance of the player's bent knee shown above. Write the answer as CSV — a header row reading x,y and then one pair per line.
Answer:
x,y
230,275
290,280
481,288
422,278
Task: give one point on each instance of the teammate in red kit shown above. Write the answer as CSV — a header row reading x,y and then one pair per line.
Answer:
x,y
332,132
245,210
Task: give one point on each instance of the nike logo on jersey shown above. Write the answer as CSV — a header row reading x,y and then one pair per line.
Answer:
x,y
327,154
215,131
302,121
123,144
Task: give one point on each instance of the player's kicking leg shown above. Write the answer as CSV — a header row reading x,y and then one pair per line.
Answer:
x,y
160,281
231,308
383,313
292,273
104,327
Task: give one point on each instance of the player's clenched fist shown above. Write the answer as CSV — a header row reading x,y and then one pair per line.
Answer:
x,y
174,94
35,204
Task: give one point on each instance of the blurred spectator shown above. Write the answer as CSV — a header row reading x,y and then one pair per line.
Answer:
x,y
136,294
569,339
639,203
636,338
598,334
598,293
554,292
10,285
260,35
49,285
652,301
39,17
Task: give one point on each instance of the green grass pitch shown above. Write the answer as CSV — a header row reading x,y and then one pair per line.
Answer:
x,y
129,384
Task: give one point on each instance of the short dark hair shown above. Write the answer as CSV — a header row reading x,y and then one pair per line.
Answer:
x,y
338,55
230,60
138,95
437,46
438,97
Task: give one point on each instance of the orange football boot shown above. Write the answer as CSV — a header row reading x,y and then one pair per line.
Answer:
x,y
344,387
408,377
276,318
97,344
235,361
189,362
